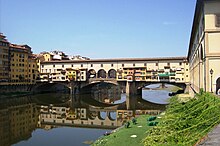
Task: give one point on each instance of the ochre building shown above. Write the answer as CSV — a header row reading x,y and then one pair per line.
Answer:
x,y
4,59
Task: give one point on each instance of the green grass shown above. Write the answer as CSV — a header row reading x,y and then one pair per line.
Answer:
x,y
123,136
184,124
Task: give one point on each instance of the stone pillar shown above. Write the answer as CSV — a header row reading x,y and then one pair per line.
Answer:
x,y
130,88
187,88
131,91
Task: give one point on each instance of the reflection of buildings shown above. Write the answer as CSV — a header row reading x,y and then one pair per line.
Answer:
x,y
106,93
4,128
87,116
79,117
19,117
17,121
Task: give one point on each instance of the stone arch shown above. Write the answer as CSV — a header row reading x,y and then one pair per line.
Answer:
x,y
101,73
112,73
91,73
102,115
218,86
112,115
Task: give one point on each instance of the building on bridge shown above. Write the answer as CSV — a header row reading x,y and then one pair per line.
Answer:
x,y
168,69
204,47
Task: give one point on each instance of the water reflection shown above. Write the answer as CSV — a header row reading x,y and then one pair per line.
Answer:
x,y
22,119
18,119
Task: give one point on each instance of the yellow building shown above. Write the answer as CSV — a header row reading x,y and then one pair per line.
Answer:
x,y
71,74
22,64
4,59
33,72
204,47
47,57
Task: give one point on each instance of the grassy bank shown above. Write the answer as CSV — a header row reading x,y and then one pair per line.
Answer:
x,y
184,124
123,136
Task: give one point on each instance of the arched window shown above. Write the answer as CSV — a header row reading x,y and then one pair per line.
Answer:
x,y
91,73
218,86
112,73
101,73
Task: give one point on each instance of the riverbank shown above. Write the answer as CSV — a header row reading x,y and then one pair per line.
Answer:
x,y
185,122
133,135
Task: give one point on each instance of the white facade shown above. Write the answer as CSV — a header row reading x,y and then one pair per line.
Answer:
x,y
204,48
139,67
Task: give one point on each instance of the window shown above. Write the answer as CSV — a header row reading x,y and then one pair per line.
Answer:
x,y
123,65
91,65
101,65
54,65
180,63
145,64
72,65
112,65
63,66
156,64
133,64
168,64
217,20
42,66
81,65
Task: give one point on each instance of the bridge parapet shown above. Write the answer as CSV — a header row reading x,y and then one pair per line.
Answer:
x,y
107,80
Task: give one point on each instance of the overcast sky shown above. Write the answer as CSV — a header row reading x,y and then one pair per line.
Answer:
x,y
100,28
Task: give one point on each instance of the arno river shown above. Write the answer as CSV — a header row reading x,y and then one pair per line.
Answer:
x,y
61,119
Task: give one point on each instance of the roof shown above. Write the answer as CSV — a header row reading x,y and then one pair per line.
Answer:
x,y
195,21
118,60
3,38
198,10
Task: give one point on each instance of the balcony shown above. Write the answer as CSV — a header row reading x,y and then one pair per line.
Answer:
x,y
166,74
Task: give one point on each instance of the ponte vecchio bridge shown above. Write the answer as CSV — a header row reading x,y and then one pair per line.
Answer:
x,y
130,73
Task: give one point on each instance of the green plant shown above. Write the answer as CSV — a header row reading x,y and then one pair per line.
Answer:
x,y
185,123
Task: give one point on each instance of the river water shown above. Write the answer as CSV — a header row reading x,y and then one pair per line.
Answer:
x,y
61,119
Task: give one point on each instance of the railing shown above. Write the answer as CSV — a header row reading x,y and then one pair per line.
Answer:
x,y
92,80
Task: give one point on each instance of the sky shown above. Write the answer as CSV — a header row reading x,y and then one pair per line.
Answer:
x,y
100,28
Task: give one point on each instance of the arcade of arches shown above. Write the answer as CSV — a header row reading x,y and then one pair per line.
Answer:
x,y
102,73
